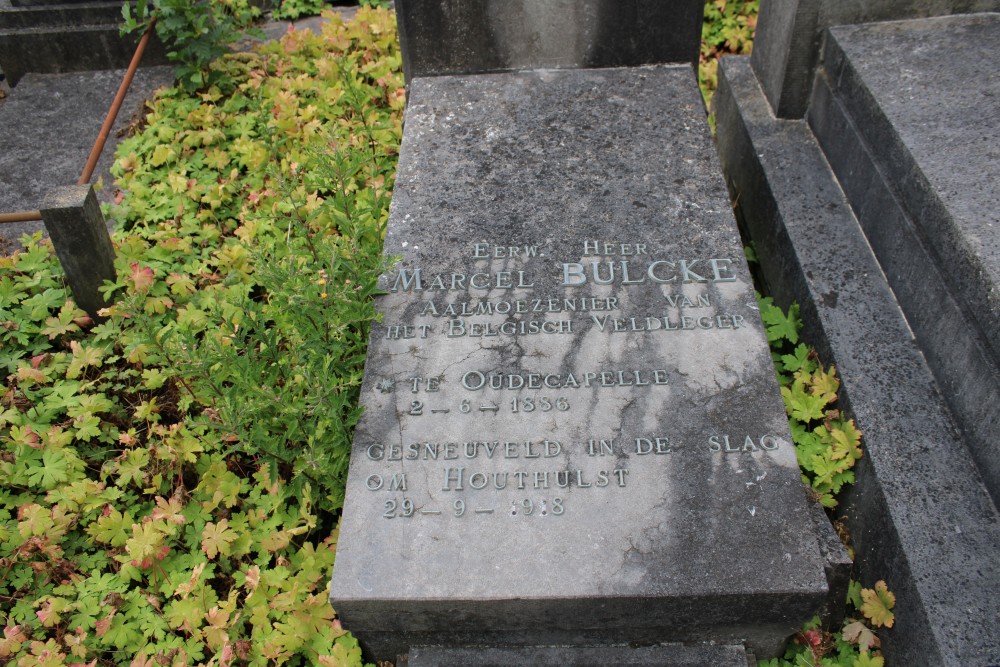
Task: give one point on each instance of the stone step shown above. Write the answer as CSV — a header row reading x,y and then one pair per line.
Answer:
x,y
68,37
38,3
64,49
670,655
908,116
61,15
920,515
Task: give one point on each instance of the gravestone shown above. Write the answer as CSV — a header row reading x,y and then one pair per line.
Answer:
x,y
43,36
790,36
573,433
878,213
464,36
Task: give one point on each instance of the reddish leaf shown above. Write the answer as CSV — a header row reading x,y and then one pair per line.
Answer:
x,y
141,277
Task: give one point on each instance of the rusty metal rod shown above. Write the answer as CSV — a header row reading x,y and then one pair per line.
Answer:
x,y
102,138
20,216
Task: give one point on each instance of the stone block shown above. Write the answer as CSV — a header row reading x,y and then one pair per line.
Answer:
x,y
572,430
674,655
74,221
468,36
91,13
913,143
920,515
45,3
838,564
790,35
73,37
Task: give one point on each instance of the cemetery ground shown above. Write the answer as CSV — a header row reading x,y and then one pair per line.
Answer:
x,y
175,470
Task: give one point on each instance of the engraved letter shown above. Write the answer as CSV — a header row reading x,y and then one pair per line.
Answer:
x,y
573,274
473,380
453,475
597,274
689,275
398,482
625,278
718,269
409,281
606,446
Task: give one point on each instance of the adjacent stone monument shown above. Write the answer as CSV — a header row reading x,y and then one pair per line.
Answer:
x,y
878,213
573,433
464,36
49,36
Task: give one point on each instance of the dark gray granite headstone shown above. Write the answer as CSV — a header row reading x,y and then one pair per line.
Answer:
x,y
919,515
573,433
790,36
465,36
908,115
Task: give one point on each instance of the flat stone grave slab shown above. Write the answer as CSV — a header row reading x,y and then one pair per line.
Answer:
x,y
572,432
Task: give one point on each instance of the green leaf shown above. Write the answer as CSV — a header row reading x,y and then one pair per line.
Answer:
x,y
801,404
162,154
112,528
217,538
854,594
877,605
781,326
866,660
54,469
800,360
133,467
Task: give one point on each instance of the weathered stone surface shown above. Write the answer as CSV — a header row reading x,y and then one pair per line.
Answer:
x,y
466,36
839,565
70,37
920,516
74,221
790,36
674,655
35,3
50,123
908,115
89,13
651,489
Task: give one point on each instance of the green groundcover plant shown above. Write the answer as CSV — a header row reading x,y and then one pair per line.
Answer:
x,y
173,472
728,28
827,446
